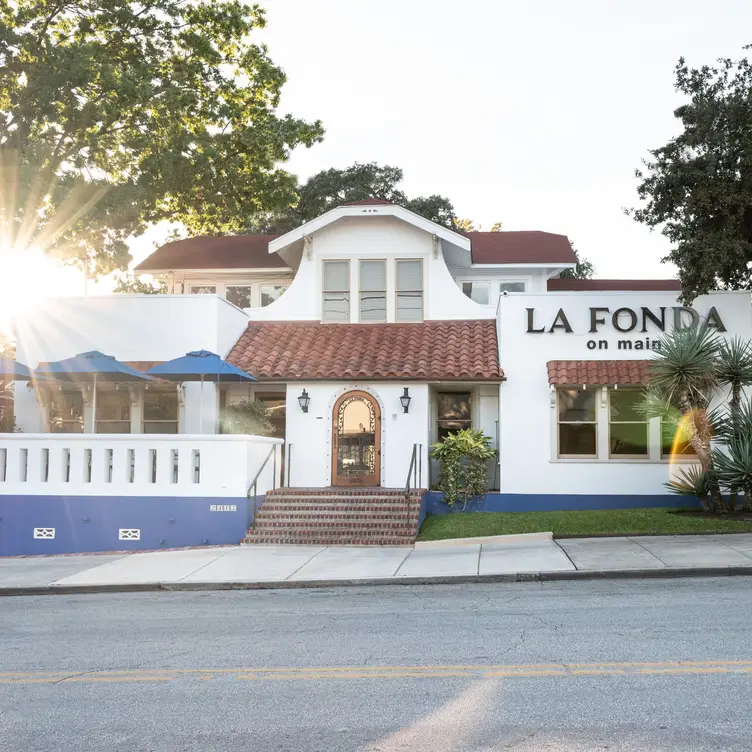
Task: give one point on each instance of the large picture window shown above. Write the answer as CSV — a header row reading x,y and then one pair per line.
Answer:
x,y
373,290
66,412
627,427
160,412
577,427
453,413
239,295
336,291
113,411
409,290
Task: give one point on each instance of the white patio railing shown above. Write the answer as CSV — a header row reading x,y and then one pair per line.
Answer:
x,y
136,465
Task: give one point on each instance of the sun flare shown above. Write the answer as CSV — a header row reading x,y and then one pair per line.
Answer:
x,y
27,277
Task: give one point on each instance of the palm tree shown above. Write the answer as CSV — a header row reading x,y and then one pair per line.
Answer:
x,y
683,375
734,369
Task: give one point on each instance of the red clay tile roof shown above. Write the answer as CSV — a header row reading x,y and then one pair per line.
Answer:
x,y
531,247
205,252
622,372
433,350
555,285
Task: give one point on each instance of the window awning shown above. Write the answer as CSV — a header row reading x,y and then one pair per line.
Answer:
x,y
598,372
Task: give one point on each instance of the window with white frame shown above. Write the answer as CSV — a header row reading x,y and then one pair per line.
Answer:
x,y
577,424
675,442
336,291
113,410
270,293
66,411
477,291
203,289
160,411
239,295
516,286
628,434
372,290
409,290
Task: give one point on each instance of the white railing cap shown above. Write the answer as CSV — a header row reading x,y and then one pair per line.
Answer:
x,y
139,437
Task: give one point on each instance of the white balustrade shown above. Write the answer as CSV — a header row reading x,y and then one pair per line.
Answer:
x,y
136,465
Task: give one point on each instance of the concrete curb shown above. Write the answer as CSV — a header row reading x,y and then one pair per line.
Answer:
x,y
608,574
485,539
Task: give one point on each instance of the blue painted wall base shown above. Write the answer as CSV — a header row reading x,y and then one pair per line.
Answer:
x,y
92,523
501,502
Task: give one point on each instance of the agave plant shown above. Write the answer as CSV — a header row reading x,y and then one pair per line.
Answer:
x,y
683,375
734,367
733,464
691,481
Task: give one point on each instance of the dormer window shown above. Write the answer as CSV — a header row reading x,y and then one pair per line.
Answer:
x,y
373,290
409,290
336,291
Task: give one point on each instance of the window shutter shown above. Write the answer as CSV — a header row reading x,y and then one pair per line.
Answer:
x,y
336,275
409,275
373,275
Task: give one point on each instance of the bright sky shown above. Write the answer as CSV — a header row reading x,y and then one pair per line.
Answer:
x,y
532,112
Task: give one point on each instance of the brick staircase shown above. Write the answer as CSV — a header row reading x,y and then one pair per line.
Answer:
x,y
338,516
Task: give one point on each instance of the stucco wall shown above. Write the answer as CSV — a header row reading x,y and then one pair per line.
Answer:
x,y
309,435
529,464
357,238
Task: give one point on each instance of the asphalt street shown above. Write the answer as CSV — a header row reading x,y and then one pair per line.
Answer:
x,y
631,665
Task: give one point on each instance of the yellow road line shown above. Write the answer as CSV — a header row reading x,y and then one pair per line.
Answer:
x,y
321,673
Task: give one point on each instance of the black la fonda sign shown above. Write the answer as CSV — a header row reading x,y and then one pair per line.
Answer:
x,y
625,320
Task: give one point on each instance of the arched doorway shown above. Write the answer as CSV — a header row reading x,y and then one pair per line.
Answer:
x,y
356,440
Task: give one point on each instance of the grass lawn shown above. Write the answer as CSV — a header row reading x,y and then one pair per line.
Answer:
x,y
600,522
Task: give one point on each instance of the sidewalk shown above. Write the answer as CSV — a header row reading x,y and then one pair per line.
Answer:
x,y
504,558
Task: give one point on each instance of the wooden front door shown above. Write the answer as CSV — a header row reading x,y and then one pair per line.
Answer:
x,y
356,441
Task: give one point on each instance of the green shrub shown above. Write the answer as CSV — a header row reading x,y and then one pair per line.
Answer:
x,y
463,473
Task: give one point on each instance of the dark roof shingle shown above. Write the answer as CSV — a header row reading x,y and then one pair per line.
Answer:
x,y
205,252
555,285
598,372
433,350
529,247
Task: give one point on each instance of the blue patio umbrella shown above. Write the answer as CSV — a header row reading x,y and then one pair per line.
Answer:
x,y
12,370
91,367
200,365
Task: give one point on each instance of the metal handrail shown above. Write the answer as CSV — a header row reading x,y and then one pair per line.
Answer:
x,y
254,483
415,471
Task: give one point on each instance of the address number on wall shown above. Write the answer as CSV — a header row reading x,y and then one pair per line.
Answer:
x,y
223,507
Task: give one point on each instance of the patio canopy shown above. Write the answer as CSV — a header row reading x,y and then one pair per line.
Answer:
x,y
12,370
200,365
91,368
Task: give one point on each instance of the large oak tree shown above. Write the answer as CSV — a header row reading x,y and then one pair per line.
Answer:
x,y
697,188
117,114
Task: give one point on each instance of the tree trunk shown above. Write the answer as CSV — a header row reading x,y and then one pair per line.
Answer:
x,y
699,436
734,405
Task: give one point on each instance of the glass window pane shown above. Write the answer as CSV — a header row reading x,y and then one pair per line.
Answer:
x,y
629,438
409,275
160,406
512,286
373,275
577,439
203,290
162,426
336,276
477,291
373,306
576,405
453,405
113,405
410,306
239,295
336,307
675,443
624,404
270,293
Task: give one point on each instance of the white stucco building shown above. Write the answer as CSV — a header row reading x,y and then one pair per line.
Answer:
x,y
372,332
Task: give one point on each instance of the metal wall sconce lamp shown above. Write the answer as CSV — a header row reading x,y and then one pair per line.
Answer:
x,y
405,400
304,400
